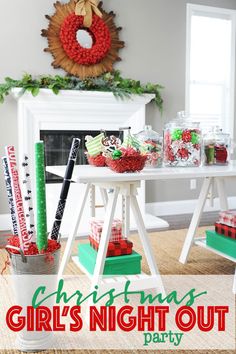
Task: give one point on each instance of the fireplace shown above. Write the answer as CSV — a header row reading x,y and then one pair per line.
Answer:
x,y
58,118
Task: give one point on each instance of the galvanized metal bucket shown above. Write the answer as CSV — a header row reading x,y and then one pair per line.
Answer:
x,y
36,264
23,268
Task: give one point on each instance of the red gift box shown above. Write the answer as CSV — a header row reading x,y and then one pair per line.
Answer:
x,y
225,230
114,249
228,218
96,226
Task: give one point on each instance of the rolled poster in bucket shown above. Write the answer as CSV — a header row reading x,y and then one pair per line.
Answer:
x,y
65,188
28,202
24,237
10,195
42,239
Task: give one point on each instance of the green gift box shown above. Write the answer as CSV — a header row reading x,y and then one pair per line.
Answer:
x,y
221,243
120,265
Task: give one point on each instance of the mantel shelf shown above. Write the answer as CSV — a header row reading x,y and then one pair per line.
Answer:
x,y
96,96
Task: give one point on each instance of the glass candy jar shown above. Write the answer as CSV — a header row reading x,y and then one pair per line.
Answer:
x,y
150,146
182,142
216,147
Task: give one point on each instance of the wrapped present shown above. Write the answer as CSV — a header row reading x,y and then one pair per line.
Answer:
x,y
225,230
122,265
221,243
114,249
228,217
96,227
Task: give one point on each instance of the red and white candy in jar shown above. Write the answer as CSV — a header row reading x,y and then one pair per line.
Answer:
x,y
151,145
182,142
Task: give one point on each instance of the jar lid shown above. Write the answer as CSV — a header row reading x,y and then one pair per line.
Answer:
x,y
182,121
216,134
148,134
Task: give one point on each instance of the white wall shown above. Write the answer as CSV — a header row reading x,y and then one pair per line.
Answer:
x,y
154,32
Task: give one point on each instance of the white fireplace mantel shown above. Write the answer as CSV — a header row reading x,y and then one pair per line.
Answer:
x,y
68,95
76,110
73,106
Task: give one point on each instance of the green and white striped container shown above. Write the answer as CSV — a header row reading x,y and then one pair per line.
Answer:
x,y
131,141
94,145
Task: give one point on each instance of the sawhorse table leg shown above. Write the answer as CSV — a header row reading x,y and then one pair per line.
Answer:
x,y
126,215
71,238
220,183
106,231
208,182
129,192
92,200
145,240
195,220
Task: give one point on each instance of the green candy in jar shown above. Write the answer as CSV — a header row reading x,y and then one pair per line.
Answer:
x,y
194,138
177,134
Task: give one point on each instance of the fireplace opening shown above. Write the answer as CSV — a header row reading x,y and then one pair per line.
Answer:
x,y
57,147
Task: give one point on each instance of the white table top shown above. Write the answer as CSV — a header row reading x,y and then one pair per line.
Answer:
x,y
86,174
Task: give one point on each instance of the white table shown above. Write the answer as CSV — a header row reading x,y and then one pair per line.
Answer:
x,y
127,184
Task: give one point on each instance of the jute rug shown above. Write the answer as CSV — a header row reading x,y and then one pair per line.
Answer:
x,y
167,247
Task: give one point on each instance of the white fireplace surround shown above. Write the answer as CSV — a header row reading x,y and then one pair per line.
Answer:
x,y
77,110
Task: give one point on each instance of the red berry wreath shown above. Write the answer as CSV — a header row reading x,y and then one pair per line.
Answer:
x,y
99,32
66,50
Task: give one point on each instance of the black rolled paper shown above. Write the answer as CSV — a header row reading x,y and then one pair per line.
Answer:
x,y
74,149
65,188
69,168
60,209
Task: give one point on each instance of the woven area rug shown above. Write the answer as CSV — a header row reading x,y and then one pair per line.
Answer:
x,y
167,247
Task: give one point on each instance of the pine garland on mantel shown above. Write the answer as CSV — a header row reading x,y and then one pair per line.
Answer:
x,y
109,82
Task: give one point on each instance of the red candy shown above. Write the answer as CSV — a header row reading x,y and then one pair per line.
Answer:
x,y
221,154
183,153
33,250
186,136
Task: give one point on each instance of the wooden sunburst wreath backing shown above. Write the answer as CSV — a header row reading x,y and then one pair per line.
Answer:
x,y
61,58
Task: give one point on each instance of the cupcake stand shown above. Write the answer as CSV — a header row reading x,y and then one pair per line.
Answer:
x,y
126,184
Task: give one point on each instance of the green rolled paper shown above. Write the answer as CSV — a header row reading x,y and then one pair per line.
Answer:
x,y
42,239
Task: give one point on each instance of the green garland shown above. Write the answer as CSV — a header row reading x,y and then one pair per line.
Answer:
x,y
109,82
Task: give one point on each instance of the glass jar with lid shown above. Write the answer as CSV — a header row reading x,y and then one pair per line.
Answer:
x,y
151,146
216,147
182,142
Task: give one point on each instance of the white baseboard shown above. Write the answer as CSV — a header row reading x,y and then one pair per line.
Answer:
x,y
158,209
184,207
5,222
